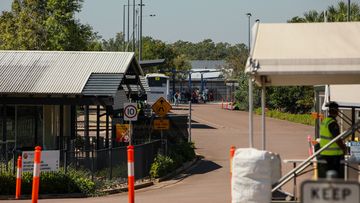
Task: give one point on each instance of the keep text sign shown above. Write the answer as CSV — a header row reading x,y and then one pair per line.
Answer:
x,y
49,160
324,191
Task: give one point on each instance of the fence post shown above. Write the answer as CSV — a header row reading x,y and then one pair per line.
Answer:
x,y
92,164
18,178
36,174
131,174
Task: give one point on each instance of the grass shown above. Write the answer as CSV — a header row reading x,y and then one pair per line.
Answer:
x,y
305,119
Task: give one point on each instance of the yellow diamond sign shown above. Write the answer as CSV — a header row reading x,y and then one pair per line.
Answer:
x,y
161,107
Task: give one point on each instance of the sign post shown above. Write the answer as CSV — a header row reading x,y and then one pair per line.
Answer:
x,y
130,114
161,107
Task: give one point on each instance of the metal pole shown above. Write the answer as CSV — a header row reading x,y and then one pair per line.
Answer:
x,y
251,136
189,121
349,11
140,38
263,89
128,24
124,27
134,22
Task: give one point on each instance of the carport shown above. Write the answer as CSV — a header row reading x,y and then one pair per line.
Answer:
x,y
302,54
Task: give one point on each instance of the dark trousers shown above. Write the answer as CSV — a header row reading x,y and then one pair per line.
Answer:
x,y
335,163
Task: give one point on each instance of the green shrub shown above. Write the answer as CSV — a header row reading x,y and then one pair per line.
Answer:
x,y
162,165
305,119
74,181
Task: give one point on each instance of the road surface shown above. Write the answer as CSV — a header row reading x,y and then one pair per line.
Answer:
x,y
214,131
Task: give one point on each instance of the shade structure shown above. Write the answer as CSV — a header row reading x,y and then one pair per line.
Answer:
x,y
305,54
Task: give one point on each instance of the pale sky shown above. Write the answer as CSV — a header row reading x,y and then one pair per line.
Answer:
x,y
193,20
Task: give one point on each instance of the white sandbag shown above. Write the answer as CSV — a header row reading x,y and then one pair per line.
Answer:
x,y
253,173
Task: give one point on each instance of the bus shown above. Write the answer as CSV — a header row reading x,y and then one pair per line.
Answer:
x,y
159,87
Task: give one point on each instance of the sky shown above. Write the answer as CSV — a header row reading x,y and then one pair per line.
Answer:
x,y
193,20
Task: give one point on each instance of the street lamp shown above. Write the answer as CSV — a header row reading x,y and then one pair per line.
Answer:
x,y
249,16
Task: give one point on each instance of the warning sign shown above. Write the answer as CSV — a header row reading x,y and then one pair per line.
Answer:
x,y
161,107
122,132
49,160
161,124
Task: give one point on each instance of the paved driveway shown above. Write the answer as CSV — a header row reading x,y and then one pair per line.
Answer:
x,y
214,131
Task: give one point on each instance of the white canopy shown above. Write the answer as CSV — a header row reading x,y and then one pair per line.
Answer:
x,y
305,54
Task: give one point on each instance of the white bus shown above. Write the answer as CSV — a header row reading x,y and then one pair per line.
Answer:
x,y
159,87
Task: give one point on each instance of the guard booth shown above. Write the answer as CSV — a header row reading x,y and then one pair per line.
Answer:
x,y
44,95
305,54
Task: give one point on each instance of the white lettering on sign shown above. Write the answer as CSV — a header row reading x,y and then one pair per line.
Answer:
x,y
49,160
323,191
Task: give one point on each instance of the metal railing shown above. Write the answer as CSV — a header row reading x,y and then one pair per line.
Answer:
x,y
296,171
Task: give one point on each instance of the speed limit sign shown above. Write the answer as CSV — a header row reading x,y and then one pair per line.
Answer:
x,y
130,112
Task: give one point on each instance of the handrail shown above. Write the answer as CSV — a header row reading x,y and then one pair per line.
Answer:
x,y
286,178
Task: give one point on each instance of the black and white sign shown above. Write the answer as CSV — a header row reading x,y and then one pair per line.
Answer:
x,y
49,160
130,112
323,191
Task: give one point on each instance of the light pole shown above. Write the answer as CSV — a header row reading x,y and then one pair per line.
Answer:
x,y
134,22
251,137
124,27
140,32
128,24
348,11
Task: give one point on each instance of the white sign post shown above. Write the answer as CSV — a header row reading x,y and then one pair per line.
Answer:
x,y
324,191
49,160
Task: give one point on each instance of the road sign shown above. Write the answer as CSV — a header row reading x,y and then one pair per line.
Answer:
x,y
130,112
324,191
49,160
122,132
161,107
161,124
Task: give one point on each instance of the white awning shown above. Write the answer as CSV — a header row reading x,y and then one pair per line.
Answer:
x,y
305,54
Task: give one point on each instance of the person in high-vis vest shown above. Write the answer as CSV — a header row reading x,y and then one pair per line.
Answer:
x,y
334,154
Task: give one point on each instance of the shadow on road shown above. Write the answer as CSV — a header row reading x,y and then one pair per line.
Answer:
x,y
205,166
201,126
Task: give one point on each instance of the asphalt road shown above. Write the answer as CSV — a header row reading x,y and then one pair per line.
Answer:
x,y
214,131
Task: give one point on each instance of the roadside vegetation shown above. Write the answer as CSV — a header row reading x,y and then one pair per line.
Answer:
x,y
73,181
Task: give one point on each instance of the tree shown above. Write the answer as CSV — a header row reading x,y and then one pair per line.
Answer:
x,y
45,25
115,44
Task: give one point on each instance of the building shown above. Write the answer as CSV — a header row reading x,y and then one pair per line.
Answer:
x,y
44,93
210,76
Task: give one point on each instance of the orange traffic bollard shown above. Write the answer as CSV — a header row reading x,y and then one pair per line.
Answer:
x,y
232,153
18,178
36,174
131,173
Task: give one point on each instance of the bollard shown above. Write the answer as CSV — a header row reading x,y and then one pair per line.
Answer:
x,y
18,178
36,174
131,173
222,103
232,153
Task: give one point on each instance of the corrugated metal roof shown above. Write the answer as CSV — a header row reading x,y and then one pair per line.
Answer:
x,y
57,72
100,84
137,88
